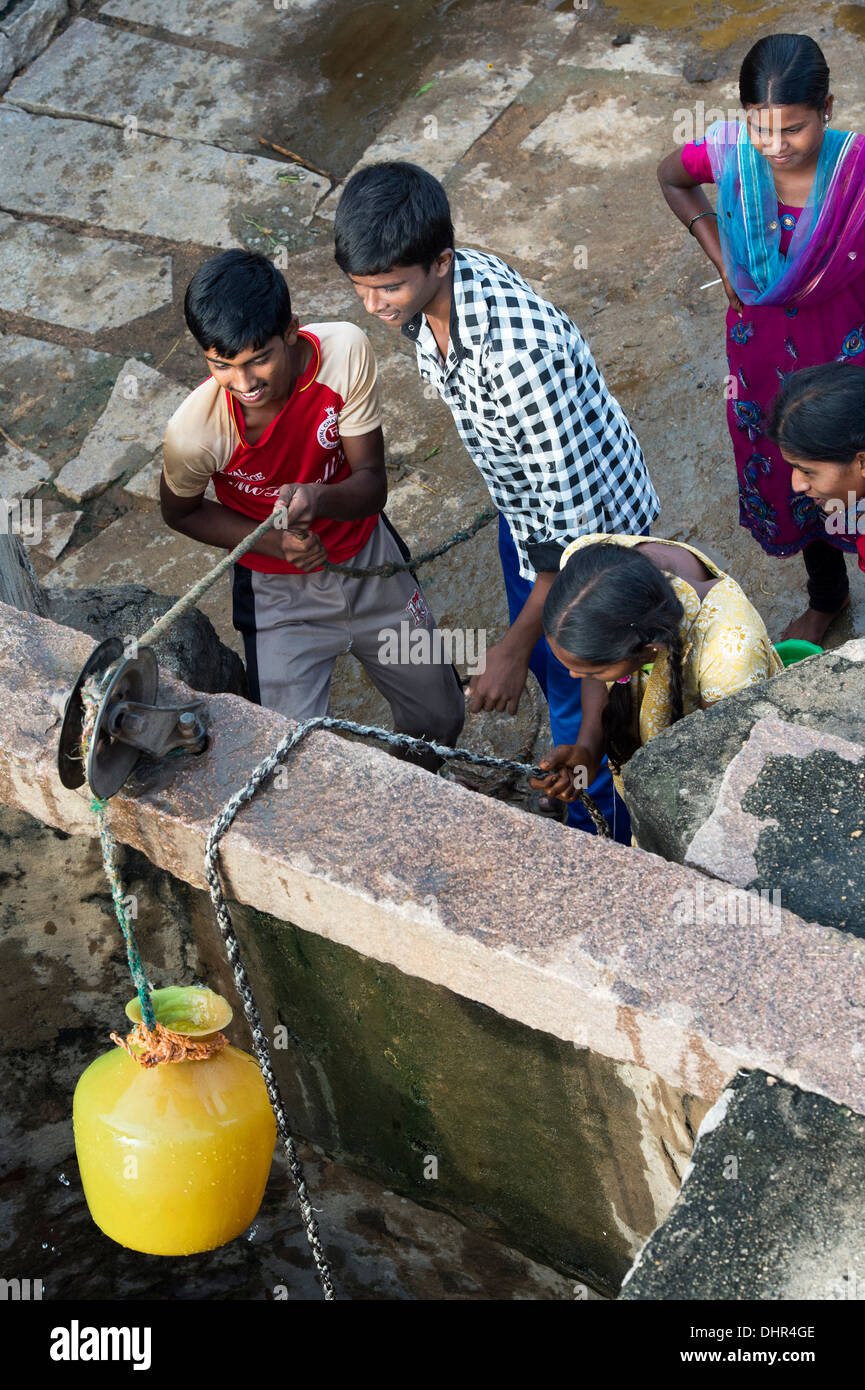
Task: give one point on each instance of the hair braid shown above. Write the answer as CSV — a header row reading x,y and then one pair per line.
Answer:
x,y
677,693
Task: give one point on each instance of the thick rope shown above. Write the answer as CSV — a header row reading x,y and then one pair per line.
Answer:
x,y
151,1047
189,599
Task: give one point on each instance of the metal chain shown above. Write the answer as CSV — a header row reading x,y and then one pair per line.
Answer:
x,y
221,824
402,566
258,777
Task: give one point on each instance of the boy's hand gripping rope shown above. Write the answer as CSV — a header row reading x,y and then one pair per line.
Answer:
x,y
192,596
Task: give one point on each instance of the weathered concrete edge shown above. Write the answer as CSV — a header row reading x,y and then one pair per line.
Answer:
x,y
711,1120
493,930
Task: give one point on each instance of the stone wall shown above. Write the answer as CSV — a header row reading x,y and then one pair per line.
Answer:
x,y
766,789
770,1208
456,979
557,1150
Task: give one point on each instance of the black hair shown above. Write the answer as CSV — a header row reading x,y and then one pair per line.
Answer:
x,y
605,606
784,70
391,214
236,301
820,414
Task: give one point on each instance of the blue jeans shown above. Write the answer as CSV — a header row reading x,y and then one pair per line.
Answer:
x,y
563,695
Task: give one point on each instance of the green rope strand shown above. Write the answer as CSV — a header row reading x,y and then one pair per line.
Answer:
x,y
90,699
99,807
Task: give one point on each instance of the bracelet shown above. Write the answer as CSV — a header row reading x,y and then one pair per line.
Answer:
x,y
697,218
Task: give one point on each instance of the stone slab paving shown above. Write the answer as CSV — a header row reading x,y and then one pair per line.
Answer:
x,y
591,133
30,27
50,396
7,62
437,127
126,435
56,524
145,483
255,25
644,54
110,75
174,189
139,548
81,282
20,471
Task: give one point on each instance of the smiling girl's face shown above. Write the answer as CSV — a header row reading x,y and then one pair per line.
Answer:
x,y
789,137
825,481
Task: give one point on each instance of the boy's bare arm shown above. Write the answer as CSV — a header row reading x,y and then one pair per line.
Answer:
x,y
211,523
363,494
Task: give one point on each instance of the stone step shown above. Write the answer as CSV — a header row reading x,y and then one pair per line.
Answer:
x,y
126,435
769,1210
88,283
123,79
437,127
145,483
29,27
456,101
51,395
123,180
247,24
139,548
21,472
738,791
53,527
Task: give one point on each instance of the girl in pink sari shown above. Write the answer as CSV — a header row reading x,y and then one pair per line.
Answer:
x,y
788,239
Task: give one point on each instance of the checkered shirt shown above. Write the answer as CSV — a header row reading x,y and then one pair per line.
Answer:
x,y
554,447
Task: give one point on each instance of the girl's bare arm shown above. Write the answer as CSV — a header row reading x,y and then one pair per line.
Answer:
x,y
687,199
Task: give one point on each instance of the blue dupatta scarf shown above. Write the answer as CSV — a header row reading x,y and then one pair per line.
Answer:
x,y
751,231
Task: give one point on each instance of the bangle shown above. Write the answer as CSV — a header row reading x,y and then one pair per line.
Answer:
x,y
697,218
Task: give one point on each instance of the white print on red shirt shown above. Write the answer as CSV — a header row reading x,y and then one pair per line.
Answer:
x,y
328,431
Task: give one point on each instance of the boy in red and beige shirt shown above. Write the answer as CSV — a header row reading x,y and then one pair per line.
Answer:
x,y
291,414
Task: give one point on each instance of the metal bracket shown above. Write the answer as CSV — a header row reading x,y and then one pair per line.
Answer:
x,y
128,722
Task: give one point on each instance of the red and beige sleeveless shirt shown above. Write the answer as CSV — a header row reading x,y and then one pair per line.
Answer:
x,y
335,397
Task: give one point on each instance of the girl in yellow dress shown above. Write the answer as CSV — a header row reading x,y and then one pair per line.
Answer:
x,y
655,630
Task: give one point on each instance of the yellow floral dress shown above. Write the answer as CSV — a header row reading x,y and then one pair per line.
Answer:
x,y
725,645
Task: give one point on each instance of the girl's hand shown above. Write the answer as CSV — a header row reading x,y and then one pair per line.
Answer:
x,y
731,293
573,767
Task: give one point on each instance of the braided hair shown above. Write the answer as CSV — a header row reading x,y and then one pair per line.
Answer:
x,y
606,605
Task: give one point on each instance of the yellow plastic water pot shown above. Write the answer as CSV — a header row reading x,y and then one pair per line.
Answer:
x,y
174,1158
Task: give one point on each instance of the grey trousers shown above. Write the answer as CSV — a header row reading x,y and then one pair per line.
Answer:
x,y
295,625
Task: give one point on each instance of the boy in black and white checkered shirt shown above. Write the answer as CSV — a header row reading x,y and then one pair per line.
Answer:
x,y
553,445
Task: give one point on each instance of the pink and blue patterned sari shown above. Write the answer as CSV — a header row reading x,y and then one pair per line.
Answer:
x,y
800,274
